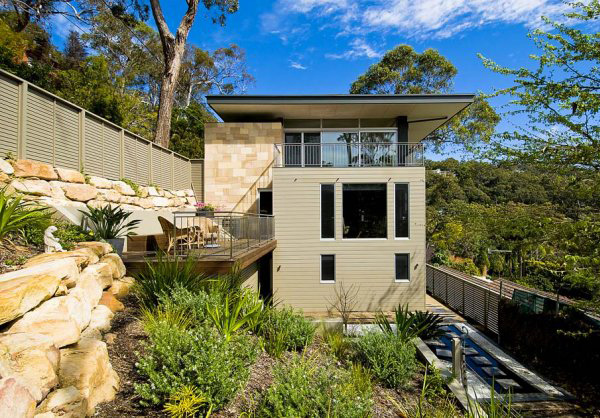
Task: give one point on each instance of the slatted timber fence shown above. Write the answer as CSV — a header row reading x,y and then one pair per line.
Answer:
x,y
475,301
38,125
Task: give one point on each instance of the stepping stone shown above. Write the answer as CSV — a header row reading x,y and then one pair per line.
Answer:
x,y
508,384
443,353
452,335
435,343
482,361
470,351
493,371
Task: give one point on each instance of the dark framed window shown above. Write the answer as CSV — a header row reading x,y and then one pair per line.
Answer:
x,y
365,210
328,268
402,267
327,211
401,211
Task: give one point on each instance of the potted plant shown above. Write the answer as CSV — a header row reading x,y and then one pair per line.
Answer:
x,y
112,224
205,209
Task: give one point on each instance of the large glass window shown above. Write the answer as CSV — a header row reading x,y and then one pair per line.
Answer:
x,y
327,211
402,267
401,211
365,210
377,150
328,268
312,148
340,149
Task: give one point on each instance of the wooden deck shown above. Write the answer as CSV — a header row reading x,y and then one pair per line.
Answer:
x,y
209,260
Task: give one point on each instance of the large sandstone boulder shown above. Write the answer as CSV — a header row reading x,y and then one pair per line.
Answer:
x,y
153,192
101,317
99,248
32,359
100,182
22,290
15,400
91,287
82,257
161,202
61,319
57,191
70,176
143,191
79,192
121,287
65,403
34,187
86,366
109,300
29,168
115,263
109,195
102,273
6,168
123,188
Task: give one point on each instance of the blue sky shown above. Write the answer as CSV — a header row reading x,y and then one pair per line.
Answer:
x,y
321,46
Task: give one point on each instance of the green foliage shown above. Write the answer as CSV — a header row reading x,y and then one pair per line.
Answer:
x,y
199,357
287,328
409,325
110,222
185,402
164,275
391,359
187,130
133,185
194,302
303,387
16,214
234,313
339,345
68,234
559,95
167,314
402,70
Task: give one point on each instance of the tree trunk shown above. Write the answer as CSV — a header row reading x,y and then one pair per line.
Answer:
x,y
173,49
167,95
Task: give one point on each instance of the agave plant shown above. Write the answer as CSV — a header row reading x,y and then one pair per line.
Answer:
x,y
15,213
110,222
410,325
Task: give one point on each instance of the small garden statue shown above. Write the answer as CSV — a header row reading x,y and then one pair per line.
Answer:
x,y
51,244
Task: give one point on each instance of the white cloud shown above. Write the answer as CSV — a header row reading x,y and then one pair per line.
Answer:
x,y
358,49
419,19
297,65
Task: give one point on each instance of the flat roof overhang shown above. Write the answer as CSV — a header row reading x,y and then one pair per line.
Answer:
x,y
425,112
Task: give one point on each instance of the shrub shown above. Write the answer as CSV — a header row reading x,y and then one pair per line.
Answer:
x,y
304,388
291,328
337,342
197,357
409,325
234,313
16,214
194,303
185,402
163,275
68,234
392,360
110,222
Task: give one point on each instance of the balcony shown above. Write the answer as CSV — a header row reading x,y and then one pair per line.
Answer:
x,y
349,155
216,240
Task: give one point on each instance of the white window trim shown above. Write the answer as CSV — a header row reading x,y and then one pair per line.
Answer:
x,y
321,213
396,271
321,269
409,214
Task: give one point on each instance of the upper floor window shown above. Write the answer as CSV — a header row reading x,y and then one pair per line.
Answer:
x,y
365,210
327,211
401,220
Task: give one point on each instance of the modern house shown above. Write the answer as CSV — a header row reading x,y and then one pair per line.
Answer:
x,y
343,176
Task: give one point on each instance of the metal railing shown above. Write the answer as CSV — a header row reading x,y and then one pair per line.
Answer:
x,y
219,234
349,155
476,302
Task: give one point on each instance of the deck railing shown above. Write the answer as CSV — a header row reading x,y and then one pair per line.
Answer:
x,y
349,155
220,234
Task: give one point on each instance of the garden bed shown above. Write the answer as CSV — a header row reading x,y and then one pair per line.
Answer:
x,y
267,385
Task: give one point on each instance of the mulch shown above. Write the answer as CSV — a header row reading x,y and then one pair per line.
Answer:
x,y
14,253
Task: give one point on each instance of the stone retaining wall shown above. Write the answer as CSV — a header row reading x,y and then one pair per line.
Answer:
x,y
53,315
63,187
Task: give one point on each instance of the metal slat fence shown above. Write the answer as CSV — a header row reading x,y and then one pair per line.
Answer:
x,y
471,300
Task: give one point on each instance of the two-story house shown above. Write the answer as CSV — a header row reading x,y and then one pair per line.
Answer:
x,y
344,177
